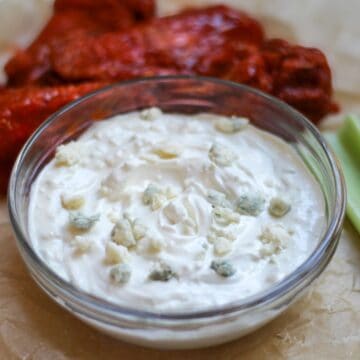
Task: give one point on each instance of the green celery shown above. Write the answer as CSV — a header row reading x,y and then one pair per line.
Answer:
x,y
346,145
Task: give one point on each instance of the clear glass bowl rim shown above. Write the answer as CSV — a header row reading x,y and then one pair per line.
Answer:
x,y
296,281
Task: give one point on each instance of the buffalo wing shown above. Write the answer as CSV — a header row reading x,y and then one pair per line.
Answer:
x,y
71,17
301,77
216,42
22,110
190,42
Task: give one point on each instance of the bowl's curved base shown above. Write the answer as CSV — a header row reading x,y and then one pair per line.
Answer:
x,y
186,338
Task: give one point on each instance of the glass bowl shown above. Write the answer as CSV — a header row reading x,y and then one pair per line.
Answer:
x,y
182,94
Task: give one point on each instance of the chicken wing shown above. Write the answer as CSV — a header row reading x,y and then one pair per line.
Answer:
x,y
215,41
32,65
190,42
22,110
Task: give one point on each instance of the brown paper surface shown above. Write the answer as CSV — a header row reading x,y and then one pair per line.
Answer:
x,y
322,325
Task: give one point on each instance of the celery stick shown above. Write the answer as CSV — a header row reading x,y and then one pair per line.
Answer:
x,y
349,135
346,145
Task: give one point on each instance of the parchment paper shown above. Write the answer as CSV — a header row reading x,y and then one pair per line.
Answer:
x,y
325,324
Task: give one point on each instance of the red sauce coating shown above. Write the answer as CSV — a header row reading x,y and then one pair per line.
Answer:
x,y
301,77
72,17
140,9
190,42
216,41
22,110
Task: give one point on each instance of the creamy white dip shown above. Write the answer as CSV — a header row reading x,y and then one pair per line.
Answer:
x,y
143,208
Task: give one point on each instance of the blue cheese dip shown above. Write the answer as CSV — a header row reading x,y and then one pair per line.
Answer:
x,y
171,212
